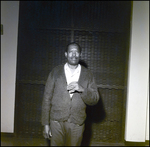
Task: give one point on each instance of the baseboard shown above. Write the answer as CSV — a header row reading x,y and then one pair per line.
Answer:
x,y
7,134
128,143
147,142
94,143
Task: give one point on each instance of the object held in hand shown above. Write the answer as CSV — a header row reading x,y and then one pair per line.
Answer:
x,y
49,135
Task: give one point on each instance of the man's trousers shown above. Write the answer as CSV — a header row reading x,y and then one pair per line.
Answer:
x,y
66,133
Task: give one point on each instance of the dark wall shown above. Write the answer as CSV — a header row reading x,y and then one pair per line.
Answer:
x,y
102,29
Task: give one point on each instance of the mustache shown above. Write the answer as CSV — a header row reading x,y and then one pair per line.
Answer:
x,y
74,58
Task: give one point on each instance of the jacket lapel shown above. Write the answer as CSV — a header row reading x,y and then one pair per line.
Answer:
x,y
81,78
82,75
63,75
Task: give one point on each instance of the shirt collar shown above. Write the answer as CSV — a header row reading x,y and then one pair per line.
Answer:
x,y
76,70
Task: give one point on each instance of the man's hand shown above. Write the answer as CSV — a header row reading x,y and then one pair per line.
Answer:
x,y
74,86
47,132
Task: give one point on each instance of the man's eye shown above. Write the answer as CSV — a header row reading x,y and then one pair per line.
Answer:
x,y
76,53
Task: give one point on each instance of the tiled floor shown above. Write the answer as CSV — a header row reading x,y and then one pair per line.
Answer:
x,y
12,141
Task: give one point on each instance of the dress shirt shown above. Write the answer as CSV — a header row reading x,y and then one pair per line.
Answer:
x,y
72,77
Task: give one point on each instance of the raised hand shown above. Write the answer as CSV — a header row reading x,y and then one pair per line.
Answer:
x,y
74,86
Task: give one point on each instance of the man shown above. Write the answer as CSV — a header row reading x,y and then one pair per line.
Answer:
x,y
69,88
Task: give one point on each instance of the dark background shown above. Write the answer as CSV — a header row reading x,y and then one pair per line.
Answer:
x,y
102,28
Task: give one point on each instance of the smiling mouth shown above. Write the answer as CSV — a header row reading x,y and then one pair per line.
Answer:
x,y
74,59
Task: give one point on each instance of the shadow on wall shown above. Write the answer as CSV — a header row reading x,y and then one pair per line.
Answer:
x,y
95,114
82,62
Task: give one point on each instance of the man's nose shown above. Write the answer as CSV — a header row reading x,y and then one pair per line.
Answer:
x,y
74,54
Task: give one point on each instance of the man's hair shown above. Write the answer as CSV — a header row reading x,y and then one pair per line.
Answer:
x,y
75,44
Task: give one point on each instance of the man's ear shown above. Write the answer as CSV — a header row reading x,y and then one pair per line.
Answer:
x,y
66,54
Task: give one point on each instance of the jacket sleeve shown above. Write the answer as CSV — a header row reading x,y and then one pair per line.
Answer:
x,y
90,96
46,103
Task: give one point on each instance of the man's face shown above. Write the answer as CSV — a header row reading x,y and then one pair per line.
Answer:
x,y
73,55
